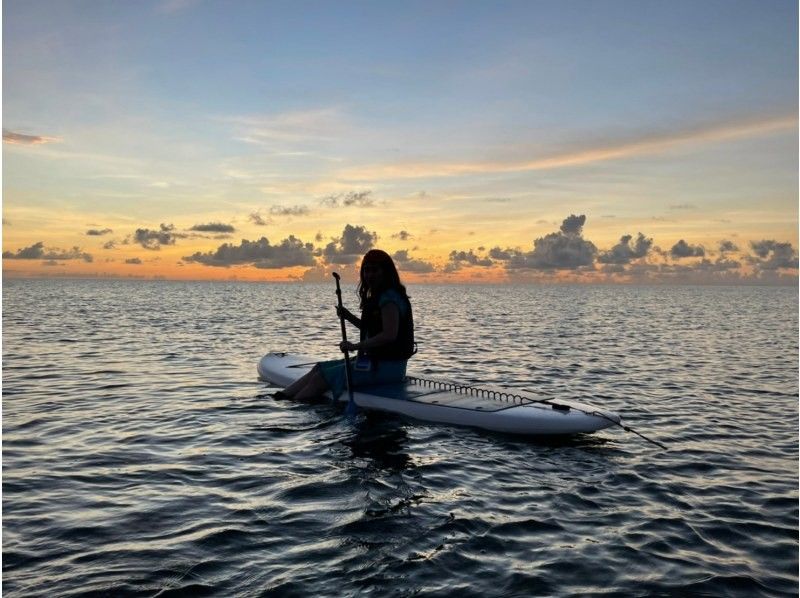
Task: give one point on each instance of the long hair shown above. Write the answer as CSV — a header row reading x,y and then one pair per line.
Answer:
x,y
390,276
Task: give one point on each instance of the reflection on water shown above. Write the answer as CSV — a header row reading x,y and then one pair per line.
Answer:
x,y
382,440
141,455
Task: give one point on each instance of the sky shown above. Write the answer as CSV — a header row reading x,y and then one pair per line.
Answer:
x,y
602,141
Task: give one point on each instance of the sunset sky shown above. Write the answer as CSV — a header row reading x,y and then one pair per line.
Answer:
x,y
580,141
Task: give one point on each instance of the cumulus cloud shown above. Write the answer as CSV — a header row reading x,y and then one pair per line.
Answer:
x,y
562,250
261,254
502,254
721,264
213,227
772,255
154,239
403,235
727,246
318,273
682,249
408,264
93,232
613,268
360,199
323,272
573,225
290,211
20,139
623,252
459,259
133,260
347,249
37,251
34,252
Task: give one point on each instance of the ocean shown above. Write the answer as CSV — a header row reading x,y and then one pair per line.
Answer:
x,y
143,457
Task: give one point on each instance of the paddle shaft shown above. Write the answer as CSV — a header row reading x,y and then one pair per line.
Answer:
x,y
344,337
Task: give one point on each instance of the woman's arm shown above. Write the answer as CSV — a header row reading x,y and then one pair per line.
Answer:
x,y
348,315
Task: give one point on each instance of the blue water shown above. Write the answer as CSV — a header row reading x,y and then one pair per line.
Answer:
x,y
142,456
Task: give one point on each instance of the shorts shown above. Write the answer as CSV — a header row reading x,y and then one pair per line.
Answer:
x,y
386,372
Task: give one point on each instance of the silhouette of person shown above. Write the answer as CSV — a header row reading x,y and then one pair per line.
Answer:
x,y
386,340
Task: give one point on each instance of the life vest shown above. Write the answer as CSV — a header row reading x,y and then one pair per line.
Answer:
x,y
372,323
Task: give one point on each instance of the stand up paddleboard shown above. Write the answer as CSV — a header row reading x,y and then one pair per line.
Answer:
x,y
489,408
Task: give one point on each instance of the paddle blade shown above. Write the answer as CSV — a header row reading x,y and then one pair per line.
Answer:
x,y
352,409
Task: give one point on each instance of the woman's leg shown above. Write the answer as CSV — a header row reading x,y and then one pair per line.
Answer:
x,y
298,384
314,387
309,386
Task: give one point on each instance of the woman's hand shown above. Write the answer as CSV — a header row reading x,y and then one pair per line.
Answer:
x,y
345,313
347,346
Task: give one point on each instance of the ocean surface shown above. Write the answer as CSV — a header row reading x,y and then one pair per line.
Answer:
x,y
143,457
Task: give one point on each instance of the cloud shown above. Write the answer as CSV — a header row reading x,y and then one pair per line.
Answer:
x,y
21,139
110,244
623,252
291,211
613,269
721,264
347,249
458,259
563,250
573,225
720,271
257,219
772,255
133,260
407,264
261,254
502,254
92,232
323,272
154,239
361,199
403,235
646,144
726,246
213,227
37,251
291,127
682,249
34,252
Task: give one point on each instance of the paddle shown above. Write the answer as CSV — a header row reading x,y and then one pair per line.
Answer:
x,y
352,408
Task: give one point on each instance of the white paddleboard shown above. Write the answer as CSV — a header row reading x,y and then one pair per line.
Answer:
x,y
489,408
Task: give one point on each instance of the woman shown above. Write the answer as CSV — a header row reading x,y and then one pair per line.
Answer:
x,y
386,341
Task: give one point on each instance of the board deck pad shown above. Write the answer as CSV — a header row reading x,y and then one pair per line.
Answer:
x,y
411,390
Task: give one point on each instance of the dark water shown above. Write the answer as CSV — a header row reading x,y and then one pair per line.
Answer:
x,y
141,455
